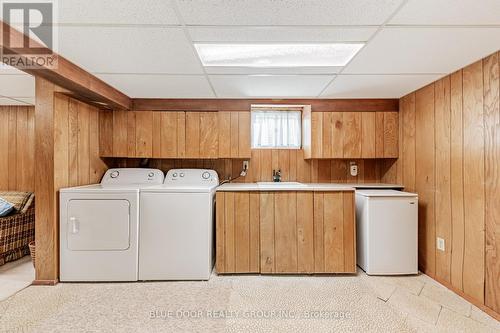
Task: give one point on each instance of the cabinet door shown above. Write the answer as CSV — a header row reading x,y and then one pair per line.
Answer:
x,y
209,135
285,232
368,134
234,134
237,232
192,134
334,232
387,135
352,134
391,134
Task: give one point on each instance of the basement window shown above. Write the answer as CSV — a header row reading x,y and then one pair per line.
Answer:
x,y
276,127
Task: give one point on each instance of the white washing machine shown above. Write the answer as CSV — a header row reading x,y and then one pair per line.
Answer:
x,y
99,226
177,226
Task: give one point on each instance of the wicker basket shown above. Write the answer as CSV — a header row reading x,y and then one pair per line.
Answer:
x,y
32,252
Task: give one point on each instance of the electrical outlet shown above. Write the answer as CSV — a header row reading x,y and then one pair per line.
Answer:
x,y
353,169
245,169
440,244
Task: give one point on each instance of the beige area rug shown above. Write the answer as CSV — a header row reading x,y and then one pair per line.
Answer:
x,y
223,304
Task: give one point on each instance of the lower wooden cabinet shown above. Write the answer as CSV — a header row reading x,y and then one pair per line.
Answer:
x,y
285,232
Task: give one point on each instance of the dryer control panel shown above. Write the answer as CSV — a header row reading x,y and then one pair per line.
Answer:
x,y
124,176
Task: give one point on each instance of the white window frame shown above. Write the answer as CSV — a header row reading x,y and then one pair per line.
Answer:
x,y
275,109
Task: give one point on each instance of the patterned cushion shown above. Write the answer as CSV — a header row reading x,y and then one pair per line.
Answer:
x,y
5,207
20,200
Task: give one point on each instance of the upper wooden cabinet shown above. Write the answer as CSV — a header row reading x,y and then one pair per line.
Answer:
x,y
175,134
351,135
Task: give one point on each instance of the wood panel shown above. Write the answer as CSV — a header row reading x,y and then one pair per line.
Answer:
x,y
352,134
17,135
491,78
267,254
285,232
305,232
237,233
391,133
168,134
425,177
264,161
234,135
443,176
473,274
368,135
408,122
221,104
333,231
457,181
456,123
209,135
143,134
67,153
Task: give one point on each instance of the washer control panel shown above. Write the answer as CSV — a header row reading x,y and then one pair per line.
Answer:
x,y
130,176
192,177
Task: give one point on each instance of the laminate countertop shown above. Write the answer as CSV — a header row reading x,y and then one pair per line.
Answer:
x,y
295,186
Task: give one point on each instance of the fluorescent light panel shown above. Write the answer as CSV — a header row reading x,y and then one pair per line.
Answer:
x,y
277,55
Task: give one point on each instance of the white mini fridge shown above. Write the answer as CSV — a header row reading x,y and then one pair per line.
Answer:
x,y
387,232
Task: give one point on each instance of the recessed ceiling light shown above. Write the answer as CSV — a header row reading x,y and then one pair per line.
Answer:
x,y
277,55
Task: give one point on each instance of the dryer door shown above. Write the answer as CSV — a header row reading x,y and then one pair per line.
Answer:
x,y
98,225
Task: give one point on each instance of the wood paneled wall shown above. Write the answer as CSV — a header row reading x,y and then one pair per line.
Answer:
x,y
17,139
291,162
450,154
66,154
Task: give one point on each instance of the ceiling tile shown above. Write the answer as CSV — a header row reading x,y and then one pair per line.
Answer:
x,y
129,49
17,85
160,86
117,12
27,100
282,86
293,12
274,71
424,50
443,12
8,101
6,69
376,86
281,34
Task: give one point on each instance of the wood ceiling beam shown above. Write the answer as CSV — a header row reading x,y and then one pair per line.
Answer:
x,y
79,83
318,105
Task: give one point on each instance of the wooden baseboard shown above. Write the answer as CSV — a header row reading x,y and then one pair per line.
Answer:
x,y
44,282
470,299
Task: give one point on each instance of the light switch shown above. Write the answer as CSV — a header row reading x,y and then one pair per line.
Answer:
x,y
440,244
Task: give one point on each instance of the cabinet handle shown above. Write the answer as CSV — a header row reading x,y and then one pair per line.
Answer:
x,y
75,225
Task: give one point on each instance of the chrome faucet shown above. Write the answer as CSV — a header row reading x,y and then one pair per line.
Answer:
x,y
277,176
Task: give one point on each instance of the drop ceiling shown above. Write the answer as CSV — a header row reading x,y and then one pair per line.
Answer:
x,y
146,49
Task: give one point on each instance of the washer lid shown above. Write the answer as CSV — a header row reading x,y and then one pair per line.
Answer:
x,y
385,193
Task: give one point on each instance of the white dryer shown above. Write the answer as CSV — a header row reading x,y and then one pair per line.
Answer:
x,y
99,226
177,226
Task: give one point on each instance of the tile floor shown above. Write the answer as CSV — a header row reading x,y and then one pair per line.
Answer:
x,y
371,304
15,276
